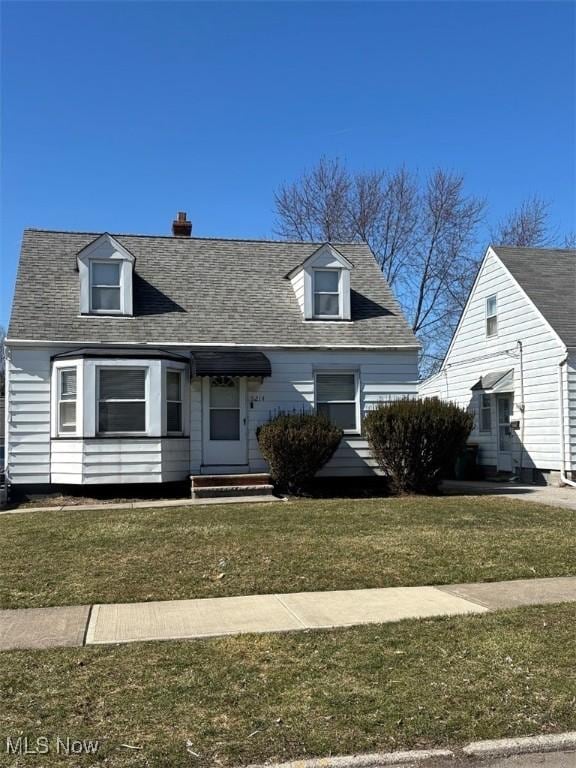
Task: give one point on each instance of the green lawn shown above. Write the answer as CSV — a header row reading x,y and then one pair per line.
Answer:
x,y
249,698
63,558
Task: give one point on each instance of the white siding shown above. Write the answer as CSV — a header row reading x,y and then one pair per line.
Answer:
x,y
28,416
383,376
34,457
571,412
298,286
472,355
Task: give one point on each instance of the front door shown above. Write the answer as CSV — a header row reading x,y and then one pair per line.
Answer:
x,y
504,433
224,420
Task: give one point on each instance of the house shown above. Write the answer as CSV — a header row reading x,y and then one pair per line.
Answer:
x,y
512,362
139,359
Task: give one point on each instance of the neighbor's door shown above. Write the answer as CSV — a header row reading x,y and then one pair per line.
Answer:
x,y
224,420
504,433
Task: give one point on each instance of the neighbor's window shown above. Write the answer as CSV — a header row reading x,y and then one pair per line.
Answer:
x,y
105,286
121,400
491,316
485,413
326,293
67,400
336,398
173,400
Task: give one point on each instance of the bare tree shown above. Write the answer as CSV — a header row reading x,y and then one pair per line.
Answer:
x,y
331,203
525,227
443,262
316,207
421,235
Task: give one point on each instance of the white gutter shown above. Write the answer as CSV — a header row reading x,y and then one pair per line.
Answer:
x,y
232,345
563,478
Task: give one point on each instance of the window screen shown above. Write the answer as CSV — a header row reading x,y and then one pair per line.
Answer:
x,y
491,316
105,286
326,292
336,399
122,400
67,400
173,401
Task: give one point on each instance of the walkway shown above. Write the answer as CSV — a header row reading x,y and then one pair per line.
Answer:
x,y
211,617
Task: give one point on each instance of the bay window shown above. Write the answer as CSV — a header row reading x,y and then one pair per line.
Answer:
x,y
173,400
67,396
121,400
337,399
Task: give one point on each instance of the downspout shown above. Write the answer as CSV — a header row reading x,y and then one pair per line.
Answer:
x,y
7,357
522,406
563,478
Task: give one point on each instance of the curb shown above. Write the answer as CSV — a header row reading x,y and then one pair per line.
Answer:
x,y
364,761
520,746
523,745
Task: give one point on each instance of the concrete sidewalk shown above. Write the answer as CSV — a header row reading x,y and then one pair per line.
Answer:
x,y
188,619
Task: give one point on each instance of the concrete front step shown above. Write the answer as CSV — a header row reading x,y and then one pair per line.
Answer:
x,y
237,485
210,481
221,491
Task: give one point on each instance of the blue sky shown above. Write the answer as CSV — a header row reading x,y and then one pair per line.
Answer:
x,y
116,115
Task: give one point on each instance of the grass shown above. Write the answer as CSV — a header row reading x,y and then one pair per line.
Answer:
x,y
250,698
66,558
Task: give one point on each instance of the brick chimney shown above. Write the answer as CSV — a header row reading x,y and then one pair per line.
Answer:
x,y
181,227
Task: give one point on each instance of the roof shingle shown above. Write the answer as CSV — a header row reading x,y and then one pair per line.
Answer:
x,y
199,291
548,275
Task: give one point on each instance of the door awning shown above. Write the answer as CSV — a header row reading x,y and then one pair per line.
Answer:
x,y
230,362
496,381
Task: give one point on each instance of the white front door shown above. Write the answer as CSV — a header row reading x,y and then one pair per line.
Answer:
x,y
504,433
224,420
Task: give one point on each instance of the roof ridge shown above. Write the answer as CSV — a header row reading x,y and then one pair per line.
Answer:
x,y
193,237
531,249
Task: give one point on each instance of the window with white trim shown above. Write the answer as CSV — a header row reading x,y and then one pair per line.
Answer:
x,y
173,400
105,285
326,293
485,413
67,398
337,399
491,316
121,400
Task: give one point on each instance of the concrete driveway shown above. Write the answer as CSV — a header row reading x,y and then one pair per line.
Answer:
x,y
539,494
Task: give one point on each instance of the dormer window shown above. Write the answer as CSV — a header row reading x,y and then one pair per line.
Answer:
x,y
106,270
322,285
327,293
105,286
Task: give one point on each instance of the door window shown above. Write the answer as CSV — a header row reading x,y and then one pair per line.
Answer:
x,y
504,429
224,408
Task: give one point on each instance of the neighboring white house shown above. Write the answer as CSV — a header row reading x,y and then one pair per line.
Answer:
x,y
512,361
133,358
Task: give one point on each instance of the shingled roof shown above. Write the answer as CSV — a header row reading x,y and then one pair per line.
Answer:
x,y
199,291
548,276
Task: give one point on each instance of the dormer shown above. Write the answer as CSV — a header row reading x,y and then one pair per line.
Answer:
x,y
106,270
322,285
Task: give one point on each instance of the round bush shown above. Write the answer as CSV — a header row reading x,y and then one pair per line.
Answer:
x,y
416,441
296,446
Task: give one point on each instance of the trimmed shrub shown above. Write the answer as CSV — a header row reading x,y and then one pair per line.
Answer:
x,y
415,441
296,446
